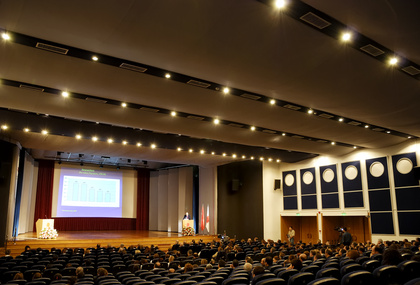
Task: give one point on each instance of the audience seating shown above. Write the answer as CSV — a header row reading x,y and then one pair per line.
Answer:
x,y
387,275
360,277
410,269
328,272
301,278
350,268
325,281
272,281
371,265
287,273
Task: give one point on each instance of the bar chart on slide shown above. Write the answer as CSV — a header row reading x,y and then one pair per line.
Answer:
x,y
90,192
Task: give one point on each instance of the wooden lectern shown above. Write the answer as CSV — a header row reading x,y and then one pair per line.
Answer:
x,y
42,224
187,223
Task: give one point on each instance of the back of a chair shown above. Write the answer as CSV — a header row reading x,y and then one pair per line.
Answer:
x,y
186,282
286,274
272,281
331,264
7,276
217,279
350,268
235,280
413,282
328,272
301,278
362,259
371,265
387,274
171,281
360,277
410,269
325,281
310,268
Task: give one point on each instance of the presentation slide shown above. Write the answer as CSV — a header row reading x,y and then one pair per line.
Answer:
x,y
89,193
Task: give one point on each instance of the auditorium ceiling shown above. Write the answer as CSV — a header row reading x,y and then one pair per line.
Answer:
x,y
164,83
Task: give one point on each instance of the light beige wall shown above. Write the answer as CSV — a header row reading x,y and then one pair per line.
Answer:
x,y
208,198
27,203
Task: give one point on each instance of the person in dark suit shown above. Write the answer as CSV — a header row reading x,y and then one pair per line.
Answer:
x,y
346,239
186,216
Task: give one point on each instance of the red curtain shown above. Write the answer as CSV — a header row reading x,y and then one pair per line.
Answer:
x,y
143,179
94,224
44,190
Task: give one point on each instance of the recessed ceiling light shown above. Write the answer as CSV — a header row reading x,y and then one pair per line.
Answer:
x,y
224,154
65,94
333,143
4,127
124,142
280,4
345,37
202,151
388,132
272,101
5,36
278,160
310,111
354,147
252,158
393,60
243,156
123,104
26,130
190,150
234,155
44,132
95,139
216,121
179,149
213,153
283,134
366,126
110,140
153,145
78,136
167,75
409,137
270,159
252,128
261,158
341,119
95,58
173,113
138,144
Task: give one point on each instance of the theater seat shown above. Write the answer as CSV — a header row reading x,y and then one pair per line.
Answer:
x,y
350,268
387,275
413,282
171,281
262,277
272,281
325,281
310,268
302,278
236,280
360,277
286,274
371,265
328,272
410,269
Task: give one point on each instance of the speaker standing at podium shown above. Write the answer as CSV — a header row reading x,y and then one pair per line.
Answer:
x,y
186,216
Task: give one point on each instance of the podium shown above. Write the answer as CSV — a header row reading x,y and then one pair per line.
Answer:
x,y
187,223
42,224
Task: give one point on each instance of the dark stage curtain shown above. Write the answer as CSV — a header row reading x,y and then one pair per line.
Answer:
x,y
143,179
44,190
94,224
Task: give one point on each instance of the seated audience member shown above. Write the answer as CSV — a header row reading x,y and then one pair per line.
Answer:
x,y
171,270
235,264
302,257
295,264
257,271
222,264
102,272
376,249
18,276
209,266
248,267
80,273
72,280
57,276
268,262
391,257
37,275
188,267
353,254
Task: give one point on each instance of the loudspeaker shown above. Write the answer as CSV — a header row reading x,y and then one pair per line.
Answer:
x,y
235,184
277,184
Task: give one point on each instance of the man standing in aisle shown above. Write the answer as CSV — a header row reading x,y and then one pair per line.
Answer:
x,y
346,238
291,235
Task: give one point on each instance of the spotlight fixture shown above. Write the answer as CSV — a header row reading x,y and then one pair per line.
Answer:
x,y
65,94
78,136
366,126
226,90
252,128
190,150
243,156
123,104
388,132
26,130
340,119
345,37
310,111
173,113
179,149
213,153
95,58
110,140
272,101
4,127
153,145
409,137
278,160
94,139
252,158
118,167
224,154
354,147
124,142
234,155
216,121
333,143
283,134
279,4
270,159
5,36
138,144
202,151
261,158
167,75
393,60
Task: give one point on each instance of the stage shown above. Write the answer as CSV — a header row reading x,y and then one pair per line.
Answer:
x,y
85,239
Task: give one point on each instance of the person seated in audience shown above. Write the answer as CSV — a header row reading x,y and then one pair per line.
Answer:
x,y
391,256
188,267
328,254
276,259
80,273
37,275
57,276
203,261
258,270
18,276
268,262
249,259
27,248
353,254
235,264
71,281
171,270
7,252
295,264
376,249
248,267
209,266
222,264
303,257
102,272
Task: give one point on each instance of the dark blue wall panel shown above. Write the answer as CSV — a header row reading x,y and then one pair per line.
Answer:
x,y
309,202
354,184
289,190
380,200
329,187
382,223
377,182
409,223
353,199
408,198
330,201
290,203
404,179
308,188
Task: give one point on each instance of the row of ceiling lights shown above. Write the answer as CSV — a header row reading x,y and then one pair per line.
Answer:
x,y
5,127
346,36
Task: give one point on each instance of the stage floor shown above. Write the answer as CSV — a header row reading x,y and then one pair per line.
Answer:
x,y
85,239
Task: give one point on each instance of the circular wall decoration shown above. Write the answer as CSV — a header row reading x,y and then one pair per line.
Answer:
x,y
307,177
328,175
404,165
351,172
377,169
289,180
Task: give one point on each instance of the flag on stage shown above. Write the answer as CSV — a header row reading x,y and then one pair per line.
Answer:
x,y
208,219
202,217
